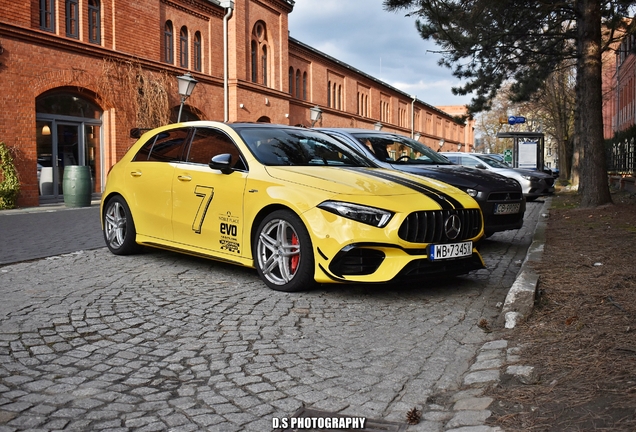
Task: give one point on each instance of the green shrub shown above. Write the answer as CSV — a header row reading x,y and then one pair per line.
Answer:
x,y
9,182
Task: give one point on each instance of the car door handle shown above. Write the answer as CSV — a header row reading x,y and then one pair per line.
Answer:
x,y
135,173
184,178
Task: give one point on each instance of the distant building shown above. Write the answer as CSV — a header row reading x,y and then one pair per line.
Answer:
x,y
78,75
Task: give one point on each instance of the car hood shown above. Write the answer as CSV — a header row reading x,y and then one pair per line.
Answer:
x,y
360,181
520,172
461,176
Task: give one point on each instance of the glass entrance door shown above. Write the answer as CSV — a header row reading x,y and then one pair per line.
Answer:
x,y
61,145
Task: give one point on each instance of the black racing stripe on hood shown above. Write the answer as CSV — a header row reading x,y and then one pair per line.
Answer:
x,y
446,202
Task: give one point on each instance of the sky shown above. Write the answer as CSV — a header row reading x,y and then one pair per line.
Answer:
x,y
385,45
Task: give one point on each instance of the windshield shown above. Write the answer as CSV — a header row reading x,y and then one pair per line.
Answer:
x,y
286,146
492,162
399,149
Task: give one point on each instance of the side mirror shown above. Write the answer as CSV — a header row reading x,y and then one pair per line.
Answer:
x,y
480,166
222,162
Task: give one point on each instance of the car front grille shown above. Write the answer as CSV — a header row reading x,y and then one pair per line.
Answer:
x,y
428,226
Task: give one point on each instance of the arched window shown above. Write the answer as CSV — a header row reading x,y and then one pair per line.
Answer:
x,y
265,65
298,83
329,94
291,80
183,47
260,53
72,14
305,86
94,22
197,52
254,65
339,97
168,42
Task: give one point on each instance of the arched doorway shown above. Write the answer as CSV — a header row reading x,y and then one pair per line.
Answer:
x,y
68,132
264,119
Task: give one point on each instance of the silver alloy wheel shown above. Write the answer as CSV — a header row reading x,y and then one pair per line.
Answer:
x,y
115,224
277,254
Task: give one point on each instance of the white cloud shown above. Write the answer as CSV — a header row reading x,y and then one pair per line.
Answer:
x,y
383,44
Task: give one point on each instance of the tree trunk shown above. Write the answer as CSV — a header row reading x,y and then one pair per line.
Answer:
x,y
593,184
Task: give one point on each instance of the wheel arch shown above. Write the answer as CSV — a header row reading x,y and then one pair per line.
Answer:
x,y
262,214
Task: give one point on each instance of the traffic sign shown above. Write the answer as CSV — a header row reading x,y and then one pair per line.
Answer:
x,y
512,120
508,155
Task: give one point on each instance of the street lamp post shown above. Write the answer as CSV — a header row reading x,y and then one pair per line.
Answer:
x,y
315,114
186,85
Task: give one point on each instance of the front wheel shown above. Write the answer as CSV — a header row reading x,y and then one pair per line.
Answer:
x,y
283,253
119,227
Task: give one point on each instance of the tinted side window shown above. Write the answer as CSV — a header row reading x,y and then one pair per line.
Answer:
x,y
453,159
166,146
208,143
469,162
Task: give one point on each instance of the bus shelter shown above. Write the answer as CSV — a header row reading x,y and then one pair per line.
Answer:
x,y
527,149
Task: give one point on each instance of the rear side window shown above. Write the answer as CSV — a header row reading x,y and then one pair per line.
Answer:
x,y
166,146
207,143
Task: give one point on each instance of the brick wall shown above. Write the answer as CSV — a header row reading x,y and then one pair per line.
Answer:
x,y
34,62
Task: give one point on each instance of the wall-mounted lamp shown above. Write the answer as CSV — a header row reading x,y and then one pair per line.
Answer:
x,y
186,85
315,114
241,106
46,130
417,136
267,101
377,126
286,115
459,146
441,143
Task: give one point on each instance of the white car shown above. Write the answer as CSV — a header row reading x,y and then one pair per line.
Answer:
x,y
534,184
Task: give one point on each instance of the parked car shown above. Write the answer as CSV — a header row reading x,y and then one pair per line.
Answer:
x,y
500,198
534,183
294,203
498,156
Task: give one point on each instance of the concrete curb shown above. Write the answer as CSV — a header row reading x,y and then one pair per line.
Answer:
x,y
520,299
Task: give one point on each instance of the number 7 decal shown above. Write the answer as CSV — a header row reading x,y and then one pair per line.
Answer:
x,y
206,193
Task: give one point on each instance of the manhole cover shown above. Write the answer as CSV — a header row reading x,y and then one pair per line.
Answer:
x,y
310,420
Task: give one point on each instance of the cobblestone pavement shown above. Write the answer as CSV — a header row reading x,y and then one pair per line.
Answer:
x,y
159,341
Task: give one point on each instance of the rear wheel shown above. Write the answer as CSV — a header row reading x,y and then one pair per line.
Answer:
x,y
119,227
283,253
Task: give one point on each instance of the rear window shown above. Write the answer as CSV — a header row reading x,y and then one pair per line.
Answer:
x,y
166,146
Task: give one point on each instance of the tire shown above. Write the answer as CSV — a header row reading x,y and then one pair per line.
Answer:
x,y
119,227
283,253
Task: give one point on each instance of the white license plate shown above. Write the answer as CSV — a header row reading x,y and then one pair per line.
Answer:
x,y
507,208
450,250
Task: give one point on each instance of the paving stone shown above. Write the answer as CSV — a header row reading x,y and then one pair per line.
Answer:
x,y
159,341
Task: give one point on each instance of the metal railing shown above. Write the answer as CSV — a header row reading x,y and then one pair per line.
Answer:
x,y
620,157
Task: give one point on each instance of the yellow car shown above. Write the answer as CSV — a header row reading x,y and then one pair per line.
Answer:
x,y
294,203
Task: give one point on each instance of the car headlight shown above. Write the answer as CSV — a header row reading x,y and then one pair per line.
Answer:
x,y
368,215
472,192
529,177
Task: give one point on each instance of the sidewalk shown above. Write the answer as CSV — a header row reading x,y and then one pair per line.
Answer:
x,y
53,229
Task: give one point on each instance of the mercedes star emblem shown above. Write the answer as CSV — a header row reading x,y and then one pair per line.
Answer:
x,y
452,226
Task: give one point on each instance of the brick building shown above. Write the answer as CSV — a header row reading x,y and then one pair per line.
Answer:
x,y
78,75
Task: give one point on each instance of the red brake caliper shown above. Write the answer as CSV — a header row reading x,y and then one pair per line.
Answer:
x,y
294,260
